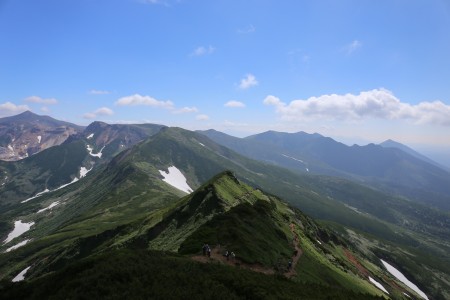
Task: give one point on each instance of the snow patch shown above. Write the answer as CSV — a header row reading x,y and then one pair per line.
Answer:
x,y
90,136
319,242
10,148
403,279
99,154
296,159
39,138
84,171
49,207
307,170
19,229
176,179
21,275
203,145
378,285
37,195
64,185
18,245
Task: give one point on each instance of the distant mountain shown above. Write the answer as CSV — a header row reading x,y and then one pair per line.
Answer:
x,y
27,133
393,144
118,137
68,162
386,168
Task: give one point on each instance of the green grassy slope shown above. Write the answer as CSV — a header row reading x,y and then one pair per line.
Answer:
x,y
130,274
129,192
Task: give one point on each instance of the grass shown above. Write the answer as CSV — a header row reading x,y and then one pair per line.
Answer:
x,y
131,274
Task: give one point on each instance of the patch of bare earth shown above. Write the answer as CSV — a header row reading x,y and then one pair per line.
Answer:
x,y
351,258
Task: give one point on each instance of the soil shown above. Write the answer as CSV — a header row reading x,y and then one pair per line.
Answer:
x,y
361,270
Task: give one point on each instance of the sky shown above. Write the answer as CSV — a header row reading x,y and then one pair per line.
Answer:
x,y
359,71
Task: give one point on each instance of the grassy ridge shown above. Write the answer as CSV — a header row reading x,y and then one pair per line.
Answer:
x,y
131,274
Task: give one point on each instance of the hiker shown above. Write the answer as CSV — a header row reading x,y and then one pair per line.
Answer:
x,y
227,255
209,252
233,256
289,264
204,248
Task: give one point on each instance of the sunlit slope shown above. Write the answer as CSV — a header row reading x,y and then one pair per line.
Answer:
x,y
130,189
262,230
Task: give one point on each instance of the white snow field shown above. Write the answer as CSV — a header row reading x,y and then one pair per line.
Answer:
x,y
19,229
37,195
21,275
403,279
39,138
99,154
48,207
18,245
83,172
176,179
378,285
90,136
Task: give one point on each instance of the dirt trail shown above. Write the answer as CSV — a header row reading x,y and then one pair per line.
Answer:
x,y
297,253
218,257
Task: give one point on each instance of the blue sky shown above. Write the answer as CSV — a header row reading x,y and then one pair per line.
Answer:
x,y
358,71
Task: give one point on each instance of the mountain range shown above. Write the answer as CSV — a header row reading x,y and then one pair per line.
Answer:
x,y
164,192
391,169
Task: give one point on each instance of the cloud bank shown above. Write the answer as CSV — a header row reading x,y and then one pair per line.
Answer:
x,y
8,108
376,104
37,99
102,111
248,81
234,104
200,51
137,99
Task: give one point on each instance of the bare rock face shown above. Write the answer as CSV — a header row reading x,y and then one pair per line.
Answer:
x,y
27,133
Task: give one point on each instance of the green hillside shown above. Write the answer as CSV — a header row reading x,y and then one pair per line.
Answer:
x,y
126,274
125,203
258,227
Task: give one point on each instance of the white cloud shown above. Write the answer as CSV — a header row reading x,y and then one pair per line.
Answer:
x,y
202,117
376,104
8,108
137,99
45,109
186,110
200,51
248,81
99,92
162,2
102,111
246,30
37,99
235,104
353,46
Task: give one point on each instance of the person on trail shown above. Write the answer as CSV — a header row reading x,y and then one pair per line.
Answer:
x,y
204,248
209,252
289,264
233,256
227,255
